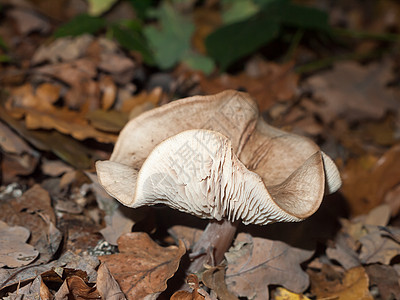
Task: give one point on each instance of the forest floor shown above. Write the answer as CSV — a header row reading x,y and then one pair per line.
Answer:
x,y
64,101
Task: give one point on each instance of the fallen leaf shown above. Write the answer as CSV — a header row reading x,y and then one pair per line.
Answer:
x,y
376,248
106,285
267,82
66,148
48,92
214,279
33,210
386,279
75,287
391,199
29,21
108,121
352,285
255,263
14,252
354,91
344,251
66,122
109,92
54,168
142,267
12,143
62,50
117,224
283,294
188,235
33,290
365,186
196,294
152,97
68,261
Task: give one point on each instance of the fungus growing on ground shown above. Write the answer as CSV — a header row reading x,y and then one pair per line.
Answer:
x,y
216,158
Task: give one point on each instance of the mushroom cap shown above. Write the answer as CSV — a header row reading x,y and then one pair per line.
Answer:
x,y
197,172
232,113
214,157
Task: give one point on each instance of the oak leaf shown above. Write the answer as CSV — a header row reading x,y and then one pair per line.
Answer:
x,y
354,91
14,252
255,263
142,267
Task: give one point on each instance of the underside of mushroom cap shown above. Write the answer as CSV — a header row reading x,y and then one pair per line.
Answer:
x,y
271,153
197,172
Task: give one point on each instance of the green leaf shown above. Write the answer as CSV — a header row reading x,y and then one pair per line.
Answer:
x,y
238,11
133,40
79,25
141,7
305,17
232,42
98,7
199,62
172,41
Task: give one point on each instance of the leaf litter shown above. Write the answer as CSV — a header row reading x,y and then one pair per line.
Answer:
x,y
63,108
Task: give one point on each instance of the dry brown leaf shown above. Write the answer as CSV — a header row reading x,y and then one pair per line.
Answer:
x,y
48,92
14,252
68,262
75,287
115,63
267,82
71,73
10,142
283,294
109,121
41,114
354,91
352,285
32,291
144,97
188,235
62,50
67,122
106,285
391,199
109,92
344,251
117,224
29,21
54,167
365,187
376,248
214,279
33,210
18,157
255,263
196,294
25,96
142,267
386,279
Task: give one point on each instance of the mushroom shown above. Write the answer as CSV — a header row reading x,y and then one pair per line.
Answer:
x,y
216,158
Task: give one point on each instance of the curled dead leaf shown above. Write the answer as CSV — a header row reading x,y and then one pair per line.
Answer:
x,y
142,267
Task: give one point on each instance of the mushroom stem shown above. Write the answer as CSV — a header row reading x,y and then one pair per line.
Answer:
x,y
213,243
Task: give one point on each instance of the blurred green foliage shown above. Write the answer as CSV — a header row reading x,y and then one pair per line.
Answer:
x,y
163,35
